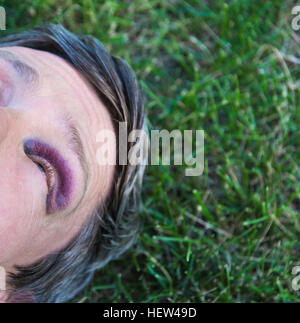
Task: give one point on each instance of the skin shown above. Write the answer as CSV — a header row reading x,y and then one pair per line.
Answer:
x,y
27,232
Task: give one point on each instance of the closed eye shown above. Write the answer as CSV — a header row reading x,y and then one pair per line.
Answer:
x,y
58,174
41,167
46,169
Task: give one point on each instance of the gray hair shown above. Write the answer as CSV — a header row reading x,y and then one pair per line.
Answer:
x,y
114,225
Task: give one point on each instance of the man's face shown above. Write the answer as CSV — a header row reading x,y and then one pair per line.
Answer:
x,y
50,181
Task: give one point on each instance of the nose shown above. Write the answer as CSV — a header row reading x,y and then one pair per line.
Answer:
x,y
4,123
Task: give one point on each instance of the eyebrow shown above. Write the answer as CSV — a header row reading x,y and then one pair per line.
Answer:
x,y
76,145
25,72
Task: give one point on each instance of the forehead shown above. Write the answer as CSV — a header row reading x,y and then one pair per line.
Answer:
x,y
60,80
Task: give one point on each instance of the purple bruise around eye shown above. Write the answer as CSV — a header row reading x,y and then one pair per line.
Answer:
x,y
59,196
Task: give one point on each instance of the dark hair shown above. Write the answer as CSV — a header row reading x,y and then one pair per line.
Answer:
x,y
114,226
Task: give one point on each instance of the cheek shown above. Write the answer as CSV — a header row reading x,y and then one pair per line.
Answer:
x,y
21,206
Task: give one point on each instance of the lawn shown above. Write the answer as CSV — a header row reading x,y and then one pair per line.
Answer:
x,y
230,69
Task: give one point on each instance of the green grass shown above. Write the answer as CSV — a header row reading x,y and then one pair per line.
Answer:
x,y
229,68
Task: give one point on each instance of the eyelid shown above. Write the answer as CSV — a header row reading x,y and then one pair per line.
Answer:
x,y
49,170
59,196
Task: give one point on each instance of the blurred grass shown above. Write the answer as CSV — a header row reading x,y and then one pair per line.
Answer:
x,y
231,69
